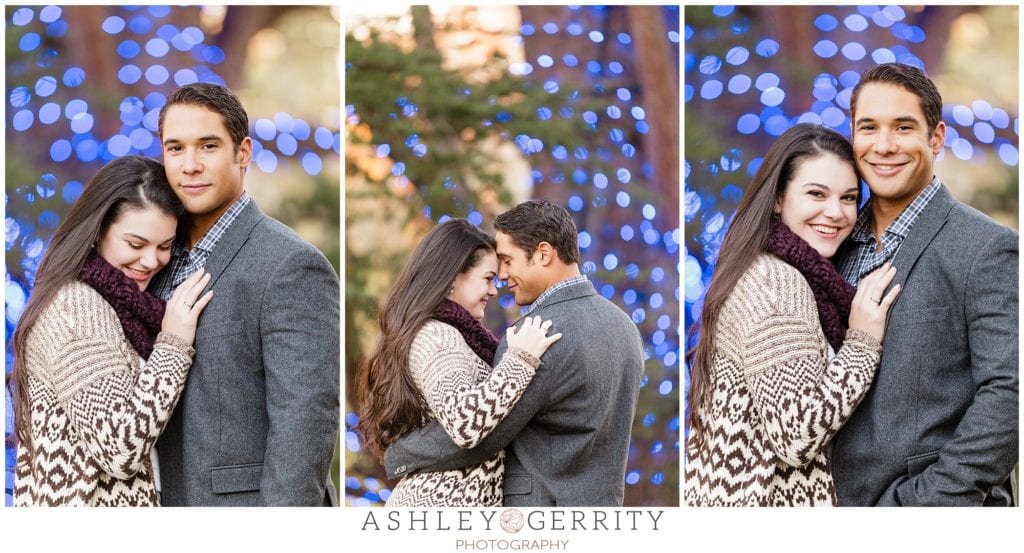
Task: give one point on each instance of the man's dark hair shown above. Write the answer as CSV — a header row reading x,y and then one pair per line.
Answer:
x,y
215,98
910,79
535,221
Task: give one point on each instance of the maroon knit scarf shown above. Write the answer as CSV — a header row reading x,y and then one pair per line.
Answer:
x,y
482,341
140,312
832,293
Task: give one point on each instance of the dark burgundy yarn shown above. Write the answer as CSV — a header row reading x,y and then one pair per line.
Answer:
x,y
832,294
480,339
139,311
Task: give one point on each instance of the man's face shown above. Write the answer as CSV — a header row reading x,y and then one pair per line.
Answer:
x,y
894,151
525,277
200,160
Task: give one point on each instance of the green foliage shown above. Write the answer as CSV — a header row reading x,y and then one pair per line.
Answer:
x,y
453,117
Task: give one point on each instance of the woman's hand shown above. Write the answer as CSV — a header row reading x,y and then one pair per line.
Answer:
x,y
183,309
869,307
532,336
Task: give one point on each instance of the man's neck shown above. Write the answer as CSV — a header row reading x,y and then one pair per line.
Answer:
x,y
197,229
563,272
882,215
202,223
884,212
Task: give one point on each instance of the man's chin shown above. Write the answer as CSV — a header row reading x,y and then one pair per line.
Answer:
x,y
523,302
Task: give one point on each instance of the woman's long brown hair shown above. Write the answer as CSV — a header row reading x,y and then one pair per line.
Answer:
x,y
390,405
746,239
127,182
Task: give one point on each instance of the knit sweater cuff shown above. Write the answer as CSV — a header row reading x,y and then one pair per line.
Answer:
x,y
526,356
176,342
867,340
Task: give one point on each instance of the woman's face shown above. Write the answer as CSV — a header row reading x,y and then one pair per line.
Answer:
x,y
820,202
138,243
472,288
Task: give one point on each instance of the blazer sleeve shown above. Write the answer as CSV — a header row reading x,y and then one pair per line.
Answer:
x,y
430,449
984,448
118,412
801,397
468,410
299,330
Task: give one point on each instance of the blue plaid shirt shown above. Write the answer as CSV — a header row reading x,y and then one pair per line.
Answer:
x,y
184,262
865,256
547,293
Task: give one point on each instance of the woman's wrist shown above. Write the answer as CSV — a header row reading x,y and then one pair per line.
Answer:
x,y
864,337
175,341
530,359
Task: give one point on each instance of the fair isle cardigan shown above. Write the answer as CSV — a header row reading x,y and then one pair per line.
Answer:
x,y
96,411
469,399
775,398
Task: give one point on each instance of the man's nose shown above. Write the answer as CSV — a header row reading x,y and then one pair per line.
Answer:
x,y
191,163
885,143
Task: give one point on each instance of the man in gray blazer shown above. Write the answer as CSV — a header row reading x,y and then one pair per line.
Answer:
x,y
258,420
567,438
939,425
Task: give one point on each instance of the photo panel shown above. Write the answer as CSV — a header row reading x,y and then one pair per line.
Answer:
x,y
752,76
463,112
85,86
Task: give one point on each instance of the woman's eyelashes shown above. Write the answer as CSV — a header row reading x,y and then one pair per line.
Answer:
x,y
137,246
852,198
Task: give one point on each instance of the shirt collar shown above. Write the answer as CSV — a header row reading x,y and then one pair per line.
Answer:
x,y
209,240
900,226
550,291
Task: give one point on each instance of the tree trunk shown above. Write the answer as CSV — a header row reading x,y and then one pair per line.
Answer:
x,y
657,72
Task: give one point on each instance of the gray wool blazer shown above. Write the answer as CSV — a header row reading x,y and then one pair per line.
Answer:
x,y
567,438
258,420
939,425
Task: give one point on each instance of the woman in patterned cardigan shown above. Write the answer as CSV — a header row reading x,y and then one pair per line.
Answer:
x,y
434,360
777,370
98,363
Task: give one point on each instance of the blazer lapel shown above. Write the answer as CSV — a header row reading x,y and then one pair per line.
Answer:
x,y
924,230
234,238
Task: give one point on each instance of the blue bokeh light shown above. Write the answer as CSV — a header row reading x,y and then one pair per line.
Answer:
x,y
29,42
49,113
46,86
128,49
826,22
113,25
129,74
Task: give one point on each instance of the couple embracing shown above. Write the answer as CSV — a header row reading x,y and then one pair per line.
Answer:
x,y
539,418
793,400
180,347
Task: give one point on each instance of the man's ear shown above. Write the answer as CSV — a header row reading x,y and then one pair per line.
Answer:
x,y
938,138
544,254
245,153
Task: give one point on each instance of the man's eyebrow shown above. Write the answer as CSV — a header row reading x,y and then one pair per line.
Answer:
x,y
207,138
900,119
